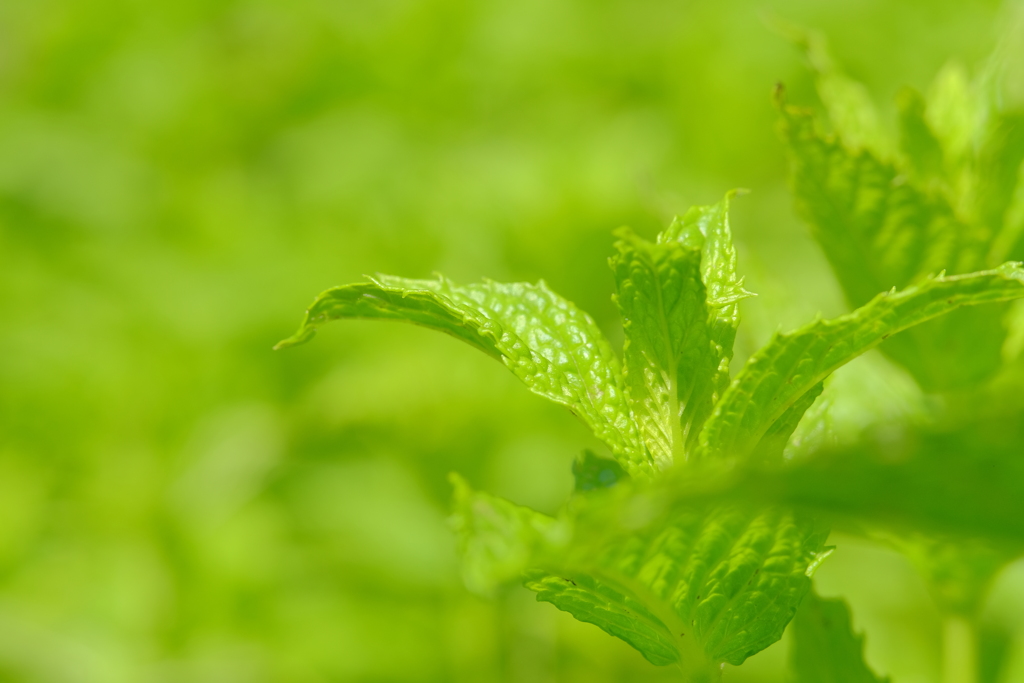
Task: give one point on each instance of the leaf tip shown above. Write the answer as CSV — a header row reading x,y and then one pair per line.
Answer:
x,y
305,333
819,557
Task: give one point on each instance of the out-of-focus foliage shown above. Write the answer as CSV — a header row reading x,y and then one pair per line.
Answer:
x,y
949,200
825,649
945,203
180,504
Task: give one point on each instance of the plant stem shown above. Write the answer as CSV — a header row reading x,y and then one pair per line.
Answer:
x,y
959,651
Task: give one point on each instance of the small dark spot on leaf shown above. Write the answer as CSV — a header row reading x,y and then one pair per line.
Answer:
x,y
886,335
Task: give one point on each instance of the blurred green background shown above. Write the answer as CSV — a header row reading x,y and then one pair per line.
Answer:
x,y
179,178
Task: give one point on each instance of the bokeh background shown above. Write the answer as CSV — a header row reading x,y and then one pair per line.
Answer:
x,y
178,179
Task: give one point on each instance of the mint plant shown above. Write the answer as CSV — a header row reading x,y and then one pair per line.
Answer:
x,y
658,545
944,193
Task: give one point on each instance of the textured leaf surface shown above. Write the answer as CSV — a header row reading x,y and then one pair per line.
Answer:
x,y
777,376
547,342
877,232
825,649
670,364
696,585
726,578
707,227
880,231
616,612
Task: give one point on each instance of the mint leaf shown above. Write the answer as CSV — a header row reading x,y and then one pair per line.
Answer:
x,y
501,542
954,108
825,649
552,346
877,230
922,151
771,446
997,177
880,231
696,586
943,203
679,304
670,365
707,227
613,611
782,372
724,581
848,103
498,539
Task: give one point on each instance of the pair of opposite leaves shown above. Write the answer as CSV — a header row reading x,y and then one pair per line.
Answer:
x,y
683,581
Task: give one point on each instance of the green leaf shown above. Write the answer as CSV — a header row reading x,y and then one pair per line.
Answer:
x,y
954,108
949,501
670,365
825,649
851,111
615,612
921,149
707,227
552,346
880,230
772,445
780,374
696,586
498,539
877,230
723,581
998,175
